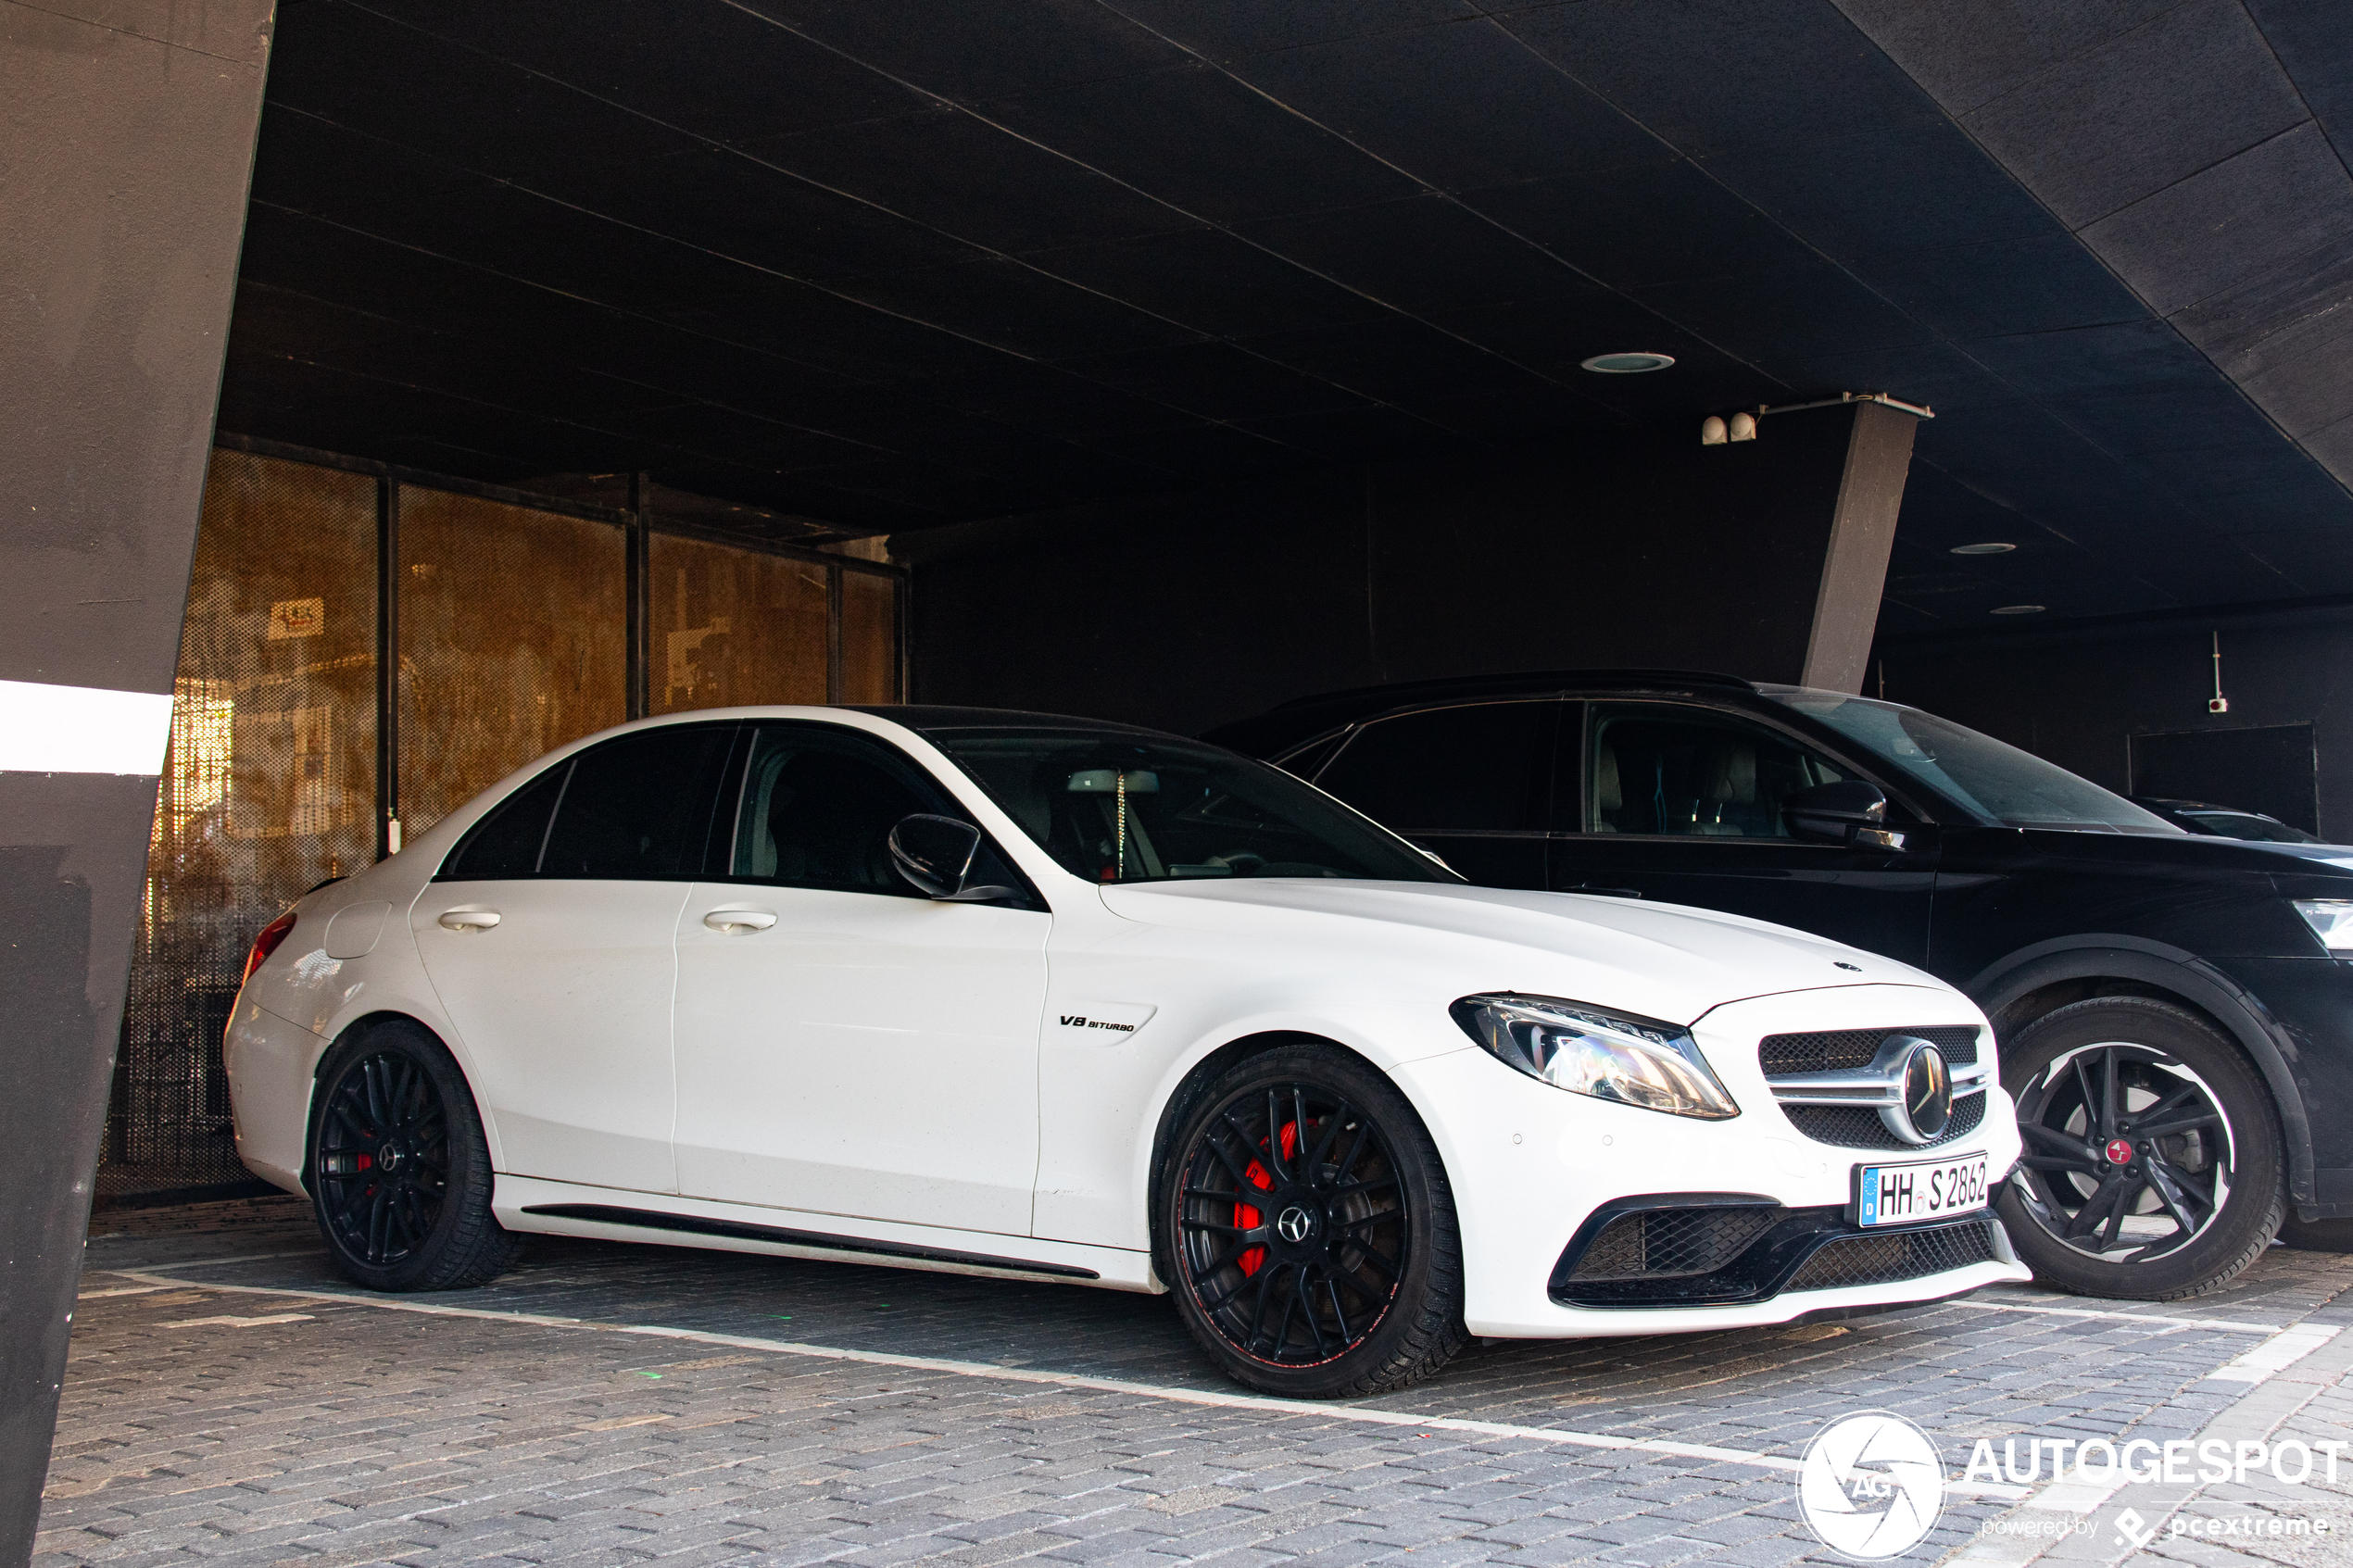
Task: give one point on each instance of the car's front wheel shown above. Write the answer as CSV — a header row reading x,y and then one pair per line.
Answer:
x,y
2152,1166
1306,1229
401,1172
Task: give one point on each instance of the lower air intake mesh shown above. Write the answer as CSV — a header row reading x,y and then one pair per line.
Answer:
x,y
1899,1255
1672,1243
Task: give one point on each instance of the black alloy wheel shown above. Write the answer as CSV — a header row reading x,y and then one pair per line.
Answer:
x,y
1307,1228
2151,1165
399,1170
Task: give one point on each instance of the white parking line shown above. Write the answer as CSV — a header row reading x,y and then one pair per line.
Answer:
x,y
1214,1397
2285,1348
2224,1325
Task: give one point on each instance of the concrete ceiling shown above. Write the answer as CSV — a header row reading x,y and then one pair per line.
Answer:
x,y
896,263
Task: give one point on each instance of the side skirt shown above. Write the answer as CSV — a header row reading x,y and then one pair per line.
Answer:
x,y
561,1209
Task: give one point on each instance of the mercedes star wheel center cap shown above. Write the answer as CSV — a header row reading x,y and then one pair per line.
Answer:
x,y
1928,1093
1293,1225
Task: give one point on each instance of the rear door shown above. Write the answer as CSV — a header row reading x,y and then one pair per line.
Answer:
x,y
1471,782
1682,802
548,938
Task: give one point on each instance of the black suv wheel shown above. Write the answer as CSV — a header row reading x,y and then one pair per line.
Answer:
x,y
2152,1166
1306,1230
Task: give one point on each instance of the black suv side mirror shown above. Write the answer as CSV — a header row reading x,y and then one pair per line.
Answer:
x,y
1850,812
936,855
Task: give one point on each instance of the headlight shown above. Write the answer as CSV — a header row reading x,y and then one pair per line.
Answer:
x,y
1609,1056
2331,921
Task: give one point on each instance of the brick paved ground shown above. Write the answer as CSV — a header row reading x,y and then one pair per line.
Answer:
x,y
354,1432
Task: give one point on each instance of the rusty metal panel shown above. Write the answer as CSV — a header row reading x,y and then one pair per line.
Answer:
x,y
268,788
869,637
513,640
732,626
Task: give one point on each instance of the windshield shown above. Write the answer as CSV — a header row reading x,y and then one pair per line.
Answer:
x,y
1113,807
1998,780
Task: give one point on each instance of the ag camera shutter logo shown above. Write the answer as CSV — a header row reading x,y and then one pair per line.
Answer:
x,y
1871,1485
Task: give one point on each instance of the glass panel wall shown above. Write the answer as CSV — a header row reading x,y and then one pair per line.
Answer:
x,y
869,637
733,626
269,788
513,640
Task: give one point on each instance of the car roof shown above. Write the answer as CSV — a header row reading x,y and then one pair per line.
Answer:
x,y
1305,717
926,719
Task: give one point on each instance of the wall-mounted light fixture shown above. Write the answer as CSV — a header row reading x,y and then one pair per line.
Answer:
x,y
1721,430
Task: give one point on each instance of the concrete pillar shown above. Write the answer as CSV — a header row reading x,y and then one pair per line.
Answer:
x,y
127,134
1870,491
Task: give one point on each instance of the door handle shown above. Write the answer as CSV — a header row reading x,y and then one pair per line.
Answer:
x,y
728,921
469,919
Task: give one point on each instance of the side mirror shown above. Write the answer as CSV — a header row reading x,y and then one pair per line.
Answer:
x,y
936,855
1851,812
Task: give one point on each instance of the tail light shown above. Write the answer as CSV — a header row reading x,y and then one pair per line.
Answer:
x,y
267,943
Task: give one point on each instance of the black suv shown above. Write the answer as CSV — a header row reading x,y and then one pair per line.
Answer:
x,y
2172,1015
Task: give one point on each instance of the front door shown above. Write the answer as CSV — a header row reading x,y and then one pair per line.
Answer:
x,y
1469,782
1681,803
847,1046
550,947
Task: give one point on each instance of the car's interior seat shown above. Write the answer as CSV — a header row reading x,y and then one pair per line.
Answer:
x,y
1728,792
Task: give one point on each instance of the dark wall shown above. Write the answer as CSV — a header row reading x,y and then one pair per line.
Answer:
x,y
1188,610
2076,696
128,148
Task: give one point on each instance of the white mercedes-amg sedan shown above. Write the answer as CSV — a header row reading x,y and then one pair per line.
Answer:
x,y
1056,1000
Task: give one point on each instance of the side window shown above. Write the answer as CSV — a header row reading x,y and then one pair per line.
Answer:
x,y
507,842
1481,768
1687,771
818,806
639,807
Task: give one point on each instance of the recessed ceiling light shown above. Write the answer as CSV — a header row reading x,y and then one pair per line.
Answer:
x,y
2019,610
1984,549
1632,363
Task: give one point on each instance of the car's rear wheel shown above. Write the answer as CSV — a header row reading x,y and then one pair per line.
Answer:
x,y
1306,1229
399,1171
2152,1167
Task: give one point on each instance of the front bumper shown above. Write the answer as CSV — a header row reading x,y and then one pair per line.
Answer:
x,y
1534,1170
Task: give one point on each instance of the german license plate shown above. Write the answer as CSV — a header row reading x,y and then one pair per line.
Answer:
x,y
1928,1189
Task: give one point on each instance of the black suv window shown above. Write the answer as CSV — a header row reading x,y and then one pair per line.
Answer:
x,y
1480,768
639,808
1693,771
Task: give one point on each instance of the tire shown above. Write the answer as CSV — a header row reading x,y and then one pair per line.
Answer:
x,y
1346,1279
2317,1236
399,1172
2189,1207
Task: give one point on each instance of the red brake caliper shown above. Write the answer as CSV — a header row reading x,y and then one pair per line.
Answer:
x,y
1247,1218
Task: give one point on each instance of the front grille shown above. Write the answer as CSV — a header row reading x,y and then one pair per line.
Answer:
x,y
1899,1255
1844,1050
1858,1126
1672,1243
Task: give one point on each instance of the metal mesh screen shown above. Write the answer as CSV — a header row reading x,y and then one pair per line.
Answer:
x,y
513,639
269,788
869,638
732,626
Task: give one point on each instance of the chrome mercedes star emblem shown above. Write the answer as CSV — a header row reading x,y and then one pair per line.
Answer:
x,y
1293,1223
1928,1092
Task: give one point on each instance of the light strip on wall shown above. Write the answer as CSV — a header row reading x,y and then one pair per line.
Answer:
x,y
48,729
